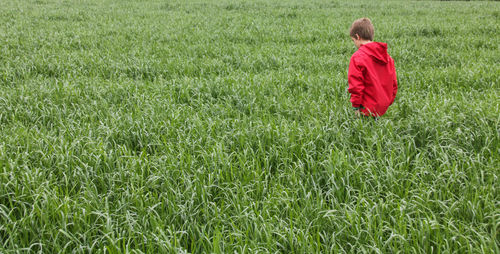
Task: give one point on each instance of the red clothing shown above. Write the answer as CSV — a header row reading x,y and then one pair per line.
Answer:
x,y
372,79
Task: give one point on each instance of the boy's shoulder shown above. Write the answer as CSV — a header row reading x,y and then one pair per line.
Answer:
x,y
358,53
359,56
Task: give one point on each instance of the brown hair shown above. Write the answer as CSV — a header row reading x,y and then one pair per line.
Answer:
x,y
362,27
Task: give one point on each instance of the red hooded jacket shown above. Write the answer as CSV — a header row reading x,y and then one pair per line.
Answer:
x,y
372,79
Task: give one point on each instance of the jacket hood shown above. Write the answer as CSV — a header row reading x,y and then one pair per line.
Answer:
x,y
377,50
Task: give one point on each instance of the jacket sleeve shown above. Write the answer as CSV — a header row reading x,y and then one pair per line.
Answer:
x,y
394,83
356,83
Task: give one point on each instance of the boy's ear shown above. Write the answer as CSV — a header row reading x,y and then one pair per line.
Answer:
x,y
357,37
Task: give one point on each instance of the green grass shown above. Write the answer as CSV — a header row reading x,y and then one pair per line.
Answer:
x,y
208,126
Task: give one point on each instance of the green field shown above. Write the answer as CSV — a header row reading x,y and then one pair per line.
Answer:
x,y
225,126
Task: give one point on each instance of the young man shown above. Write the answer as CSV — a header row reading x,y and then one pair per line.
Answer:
x,y
372,76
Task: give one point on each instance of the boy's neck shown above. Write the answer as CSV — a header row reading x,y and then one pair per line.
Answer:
x,y
363,42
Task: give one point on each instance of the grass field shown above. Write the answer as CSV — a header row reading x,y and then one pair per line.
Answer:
x,y
209,126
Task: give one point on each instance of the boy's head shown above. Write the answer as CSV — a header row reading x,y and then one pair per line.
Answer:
x,y
362,31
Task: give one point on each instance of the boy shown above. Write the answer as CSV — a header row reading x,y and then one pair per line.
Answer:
x,y
372,77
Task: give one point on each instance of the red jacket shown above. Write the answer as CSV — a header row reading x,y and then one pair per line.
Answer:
x,y
372,79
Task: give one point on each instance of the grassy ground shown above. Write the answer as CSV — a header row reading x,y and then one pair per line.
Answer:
x,y
208,126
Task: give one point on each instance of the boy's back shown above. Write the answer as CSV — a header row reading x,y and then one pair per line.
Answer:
x,y
372,79
372,75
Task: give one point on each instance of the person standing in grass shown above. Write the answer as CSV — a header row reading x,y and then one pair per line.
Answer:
x,y
372,76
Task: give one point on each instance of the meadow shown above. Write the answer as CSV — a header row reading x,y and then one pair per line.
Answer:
x,y
225,126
